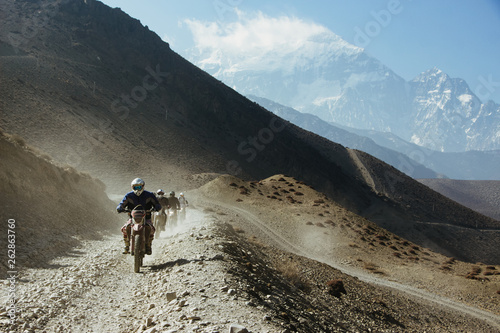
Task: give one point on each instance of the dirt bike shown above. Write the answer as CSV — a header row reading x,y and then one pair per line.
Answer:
x,y
138,236
172,218
160,222
182,214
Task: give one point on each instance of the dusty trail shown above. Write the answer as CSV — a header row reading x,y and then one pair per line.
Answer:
x,y
288,243
94,289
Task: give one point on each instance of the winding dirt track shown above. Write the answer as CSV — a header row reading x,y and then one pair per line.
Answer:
x,y
286,242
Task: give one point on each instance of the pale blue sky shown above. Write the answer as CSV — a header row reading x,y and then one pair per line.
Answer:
x,y
460,37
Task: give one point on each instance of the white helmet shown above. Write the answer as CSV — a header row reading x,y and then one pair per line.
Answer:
x,y
182,194
138,186
160,192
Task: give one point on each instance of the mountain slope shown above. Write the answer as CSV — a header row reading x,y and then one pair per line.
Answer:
x,y
95,89
346,138
482,196
472,165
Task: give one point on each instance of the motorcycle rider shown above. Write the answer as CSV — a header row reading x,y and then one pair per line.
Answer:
x,y
138,196
173,201
163,200
175,206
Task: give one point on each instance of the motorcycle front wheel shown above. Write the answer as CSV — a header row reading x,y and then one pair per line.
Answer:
x,y
138,252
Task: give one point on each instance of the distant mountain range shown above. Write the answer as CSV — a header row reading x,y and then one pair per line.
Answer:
x,y
415,161
341,83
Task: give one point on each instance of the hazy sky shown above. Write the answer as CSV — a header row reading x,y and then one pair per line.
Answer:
x,y
460,37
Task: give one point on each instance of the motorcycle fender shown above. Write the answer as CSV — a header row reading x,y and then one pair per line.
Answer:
x,y
137,227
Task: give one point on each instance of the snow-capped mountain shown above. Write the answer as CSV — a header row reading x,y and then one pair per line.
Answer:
x,y
447,116
338,82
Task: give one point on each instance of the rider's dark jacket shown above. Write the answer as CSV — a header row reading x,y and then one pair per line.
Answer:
x,y
147,200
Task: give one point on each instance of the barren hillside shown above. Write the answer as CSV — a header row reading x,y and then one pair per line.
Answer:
x,y
53,208
480,195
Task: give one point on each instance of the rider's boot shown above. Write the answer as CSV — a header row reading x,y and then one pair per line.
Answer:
x,y
127,246
149,240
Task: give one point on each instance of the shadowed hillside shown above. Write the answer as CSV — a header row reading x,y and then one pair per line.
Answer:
x,y
481,195
53,208
95,89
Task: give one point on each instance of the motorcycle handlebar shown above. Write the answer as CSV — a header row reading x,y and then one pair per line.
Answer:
x,y
147,211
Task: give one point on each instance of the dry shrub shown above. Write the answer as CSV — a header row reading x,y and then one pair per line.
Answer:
x,y
330,222
233,184
373,268
208,210
336,287
239,230
239,200
473,274
309,223
319,201
299,193
353,245
319,224
397,254
449,261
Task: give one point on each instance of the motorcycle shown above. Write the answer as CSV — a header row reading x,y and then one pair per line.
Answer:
x,y
173,218
160,222
182,214
138,236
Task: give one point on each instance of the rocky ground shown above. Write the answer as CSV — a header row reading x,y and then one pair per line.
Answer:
x,y
209,275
